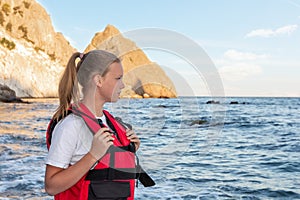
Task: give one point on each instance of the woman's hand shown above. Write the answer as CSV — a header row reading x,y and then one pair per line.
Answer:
x,y
101,142
133,138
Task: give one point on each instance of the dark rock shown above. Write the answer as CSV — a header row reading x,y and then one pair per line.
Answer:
x,y
13,100
6,92
199,122
236,102
8,95
161,106
213,102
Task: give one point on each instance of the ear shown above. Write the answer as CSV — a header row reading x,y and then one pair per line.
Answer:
x,y
98,80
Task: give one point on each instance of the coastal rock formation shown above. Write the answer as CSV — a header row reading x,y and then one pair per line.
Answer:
x,y
32,53
28,21
142,77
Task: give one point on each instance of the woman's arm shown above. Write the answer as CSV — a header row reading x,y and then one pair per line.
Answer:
x,y
58,179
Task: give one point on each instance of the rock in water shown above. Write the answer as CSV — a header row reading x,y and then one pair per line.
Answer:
x,y
212,102
199,122
7,95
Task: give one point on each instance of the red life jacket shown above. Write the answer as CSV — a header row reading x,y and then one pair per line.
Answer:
x,y
113,176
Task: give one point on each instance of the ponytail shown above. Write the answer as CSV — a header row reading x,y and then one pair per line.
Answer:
x,y
68,87
91,63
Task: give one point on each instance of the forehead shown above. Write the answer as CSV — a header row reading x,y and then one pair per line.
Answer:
x,y
115,69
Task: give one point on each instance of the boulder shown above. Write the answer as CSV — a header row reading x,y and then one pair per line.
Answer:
x,y
7,95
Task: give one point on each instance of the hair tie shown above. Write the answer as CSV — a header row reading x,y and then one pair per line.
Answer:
x,y
81,55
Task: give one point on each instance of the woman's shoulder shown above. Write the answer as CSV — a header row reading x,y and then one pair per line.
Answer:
x,y
72,122
70,128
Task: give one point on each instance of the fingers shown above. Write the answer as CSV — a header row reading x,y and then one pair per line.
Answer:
x,y
133,138
102,140
102,130
131,135
104,135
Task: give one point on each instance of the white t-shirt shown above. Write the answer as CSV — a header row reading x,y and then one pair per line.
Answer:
x,y
71,140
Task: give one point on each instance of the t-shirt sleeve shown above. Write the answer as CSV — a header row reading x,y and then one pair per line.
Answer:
x,y
63,144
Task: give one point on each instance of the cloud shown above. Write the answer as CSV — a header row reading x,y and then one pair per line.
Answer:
x,y
239,71
285,30
237,55
237,66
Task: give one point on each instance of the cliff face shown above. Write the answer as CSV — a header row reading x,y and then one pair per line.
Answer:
x,y
27,21
141,76
32,53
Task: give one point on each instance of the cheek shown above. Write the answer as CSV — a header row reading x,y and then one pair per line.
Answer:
x,y
111,88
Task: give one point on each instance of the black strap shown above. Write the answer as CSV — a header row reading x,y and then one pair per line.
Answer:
x,y
111,173
121,174
103,174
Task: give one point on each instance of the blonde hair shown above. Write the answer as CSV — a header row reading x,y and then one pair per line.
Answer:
x,y
91,63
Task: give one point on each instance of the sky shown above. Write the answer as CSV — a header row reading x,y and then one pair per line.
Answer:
x,y
252,44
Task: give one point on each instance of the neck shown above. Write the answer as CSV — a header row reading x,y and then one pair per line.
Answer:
x,y
96,107
99,109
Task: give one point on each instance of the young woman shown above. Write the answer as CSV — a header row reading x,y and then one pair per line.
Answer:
x,y
91,155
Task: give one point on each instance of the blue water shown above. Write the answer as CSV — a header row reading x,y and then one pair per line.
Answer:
x,y
249,150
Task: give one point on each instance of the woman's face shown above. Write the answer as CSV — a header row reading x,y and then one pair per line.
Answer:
x,y
112,83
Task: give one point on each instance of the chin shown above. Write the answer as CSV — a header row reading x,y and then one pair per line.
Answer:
x,y
114,99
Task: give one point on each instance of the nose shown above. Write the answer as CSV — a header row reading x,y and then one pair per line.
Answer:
x,y
122,85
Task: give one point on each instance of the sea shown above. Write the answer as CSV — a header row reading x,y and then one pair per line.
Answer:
x,y
193,147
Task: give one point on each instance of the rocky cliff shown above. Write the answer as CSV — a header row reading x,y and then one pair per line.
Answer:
x,y
33,55
141,76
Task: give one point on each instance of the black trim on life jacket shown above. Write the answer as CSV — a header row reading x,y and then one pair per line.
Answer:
x,y
104,174
125,174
